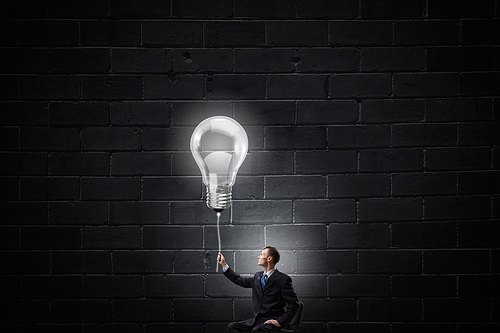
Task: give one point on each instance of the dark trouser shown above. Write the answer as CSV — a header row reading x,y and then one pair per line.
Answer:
x,y
252,326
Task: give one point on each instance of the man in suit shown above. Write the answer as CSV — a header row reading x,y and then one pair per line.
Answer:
x,y
271,292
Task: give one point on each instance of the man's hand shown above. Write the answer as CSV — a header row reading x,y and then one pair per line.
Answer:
x,y
220,259
273,322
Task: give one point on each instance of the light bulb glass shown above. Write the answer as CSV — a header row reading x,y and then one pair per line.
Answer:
x,y
219,146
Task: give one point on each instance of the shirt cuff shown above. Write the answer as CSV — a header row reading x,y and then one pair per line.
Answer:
x,y
225,268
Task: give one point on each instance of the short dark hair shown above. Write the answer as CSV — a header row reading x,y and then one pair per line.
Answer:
x,y
273,252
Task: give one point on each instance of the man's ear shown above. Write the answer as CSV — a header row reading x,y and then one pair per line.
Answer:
x,y
270,258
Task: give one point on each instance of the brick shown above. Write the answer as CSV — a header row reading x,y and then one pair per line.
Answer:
x,y
462,207
397,59
418,135
480,32
32,262
111,188
330,309
330,262
477,286
297,33
18,164
67,311
339,59
81,113
296,236
10,238
142,262
24,113
425,84
9,138
49,188
346,33
324,162
79,60
200,262
424,184
111,138
262,9
172,33
172,138
289,187
342,210
358,235
455,261
183,164
262,211
356,327
392,9
122,286
174,87
10,287
50,287
41,238
358,286
327,112
111,237
112,87
390,262
174,286
392,111
458,159
25,60
423,286
79,164
175,188
219,8
390,209
9,29
141,60
202,60
78,9
264,60
433,32
454,309
358,185
78,213
303,137
78,262
477,234
246,262
45,138
114,328
173,237
293,86
222,86
265,113
205,309
479,84
147,9
25,312
249,188
479,134
10,186
140,164
391,160
197,212
235,237
235,34
310,286
192,112
470,327
139,213
110,33
47,33
220,286
460,59
388,309
449,9
22,213
178,327
479,182
464,109
320,9
50,87
420,235
360,85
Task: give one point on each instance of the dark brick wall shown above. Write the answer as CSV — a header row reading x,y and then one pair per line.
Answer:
x,y
373,162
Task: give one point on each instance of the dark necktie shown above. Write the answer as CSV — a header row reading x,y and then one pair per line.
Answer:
x,y
263,280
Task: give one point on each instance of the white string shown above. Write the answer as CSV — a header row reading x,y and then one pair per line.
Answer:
x,y
218,236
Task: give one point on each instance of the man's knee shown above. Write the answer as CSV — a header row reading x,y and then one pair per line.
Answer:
x,y
230,328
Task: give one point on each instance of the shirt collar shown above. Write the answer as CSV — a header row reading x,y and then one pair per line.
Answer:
x,y
270,272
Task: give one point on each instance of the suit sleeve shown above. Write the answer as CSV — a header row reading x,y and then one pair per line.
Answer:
x,y
245,282
291,300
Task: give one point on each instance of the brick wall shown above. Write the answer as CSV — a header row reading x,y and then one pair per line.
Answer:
x,y
373,162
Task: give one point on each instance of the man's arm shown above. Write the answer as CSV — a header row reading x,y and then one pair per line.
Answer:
x,y
244,282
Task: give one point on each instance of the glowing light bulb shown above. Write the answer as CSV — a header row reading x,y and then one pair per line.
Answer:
x,y
219,146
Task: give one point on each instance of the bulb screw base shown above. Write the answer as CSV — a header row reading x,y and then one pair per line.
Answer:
x,y
219,198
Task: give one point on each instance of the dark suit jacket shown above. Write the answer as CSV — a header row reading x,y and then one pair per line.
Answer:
x,y
269,303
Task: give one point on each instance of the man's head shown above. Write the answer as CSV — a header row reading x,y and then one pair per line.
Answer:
x,y
269,256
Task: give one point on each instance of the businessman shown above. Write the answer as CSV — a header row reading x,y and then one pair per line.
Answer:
x,y
274,300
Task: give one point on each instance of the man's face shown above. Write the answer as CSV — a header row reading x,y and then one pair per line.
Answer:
x,y
263,258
